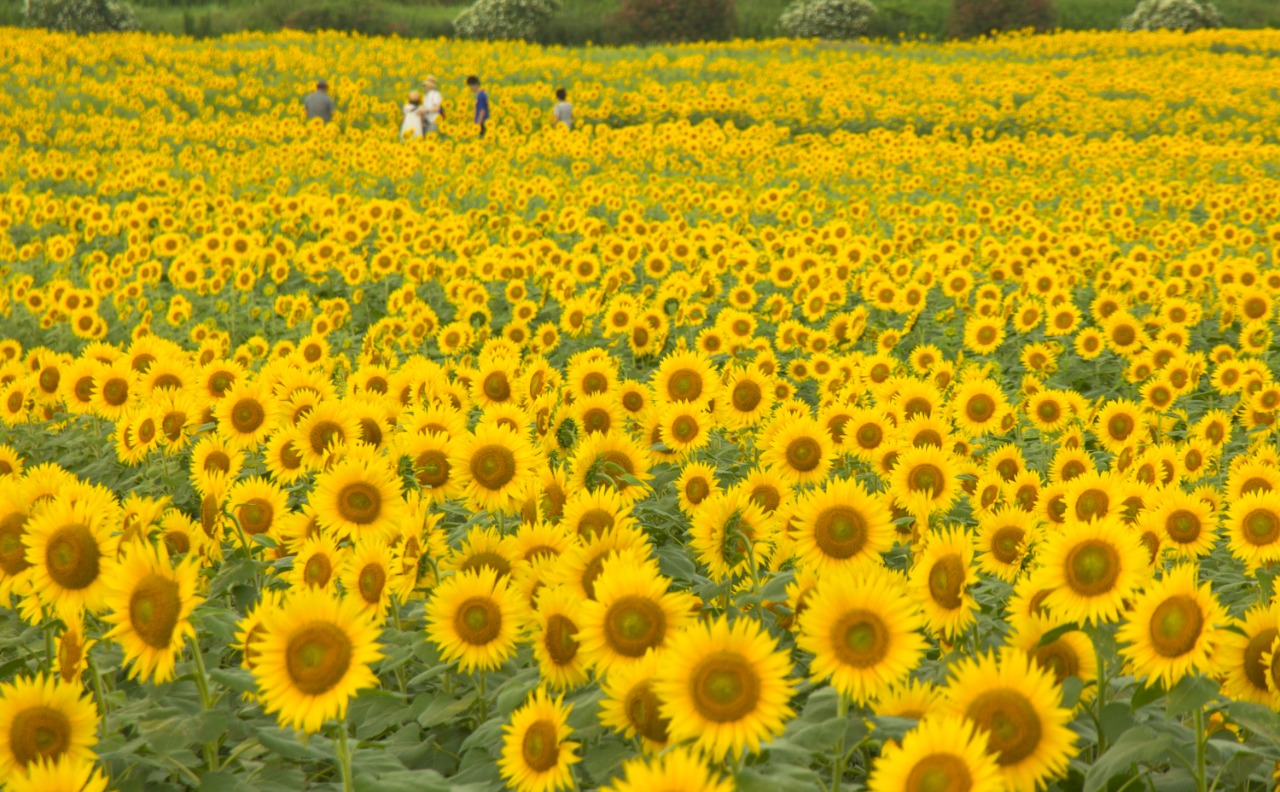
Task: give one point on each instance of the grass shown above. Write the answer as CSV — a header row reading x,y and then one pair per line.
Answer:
x,y
588,20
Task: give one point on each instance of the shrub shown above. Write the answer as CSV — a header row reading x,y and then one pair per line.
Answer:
x,y
827,19
505,19
980,17
677,20
81,16
1185,15
357,17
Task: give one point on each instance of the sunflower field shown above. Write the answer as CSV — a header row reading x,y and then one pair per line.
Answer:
x,y
812,417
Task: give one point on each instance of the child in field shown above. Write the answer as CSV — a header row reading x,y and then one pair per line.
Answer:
x,y
433,104
414,116
482,102
563,111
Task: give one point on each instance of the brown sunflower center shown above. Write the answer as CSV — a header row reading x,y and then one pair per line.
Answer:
x,y
541,746
488,559
684,385
725,687
13,553
1175,626
39,733
980,408
560,638
869,436
939,772
1183,526
317,570
317,657
1092,503
1005,543
697,490
685,428
840,532
359,502
72,557
860,638
1092,568
1059,658
115,391
746,396
643,712
496,386
324,434
432,468
247,416
804,454
154,609
1011,722
594,522
767,497
927,478
493,466
1261,527
634,624
256,515
371,581
946,581
478,621
1254,669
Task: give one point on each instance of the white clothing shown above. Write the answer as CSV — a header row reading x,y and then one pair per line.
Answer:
x,y
433,101
412,121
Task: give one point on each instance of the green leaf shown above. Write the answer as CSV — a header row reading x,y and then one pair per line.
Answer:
x,y
402,781
1057,632
286,744
1191,694
1139,745
1143,696
775,777
1116,720
239,680
1258,719
444,708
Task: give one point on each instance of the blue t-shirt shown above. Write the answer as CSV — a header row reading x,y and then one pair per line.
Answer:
x,y
482,107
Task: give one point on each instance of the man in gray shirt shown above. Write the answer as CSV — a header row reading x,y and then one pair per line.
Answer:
x,y
563,111
319,103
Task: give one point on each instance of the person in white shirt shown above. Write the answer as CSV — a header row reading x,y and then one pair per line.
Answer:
x,y
563,111
414,116
433,105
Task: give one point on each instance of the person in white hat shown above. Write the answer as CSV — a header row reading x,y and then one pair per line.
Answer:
x,y
414,113
432,103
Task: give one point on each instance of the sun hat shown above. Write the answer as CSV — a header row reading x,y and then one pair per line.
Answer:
x,y
414,97
430,83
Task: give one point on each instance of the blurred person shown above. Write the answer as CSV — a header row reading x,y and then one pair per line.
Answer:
x,y
563,111
433,104
482,102
319,103
414,116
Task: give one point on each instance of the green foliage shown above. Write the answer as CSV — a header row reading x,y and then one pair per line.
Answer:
x,y
677,20
82,16
980,17
827,19
505,19
1186,15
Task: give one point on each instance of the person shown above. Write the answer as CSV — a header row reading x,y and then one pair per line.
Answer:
x,y
319,103
482,102
563,111
432,104
414,113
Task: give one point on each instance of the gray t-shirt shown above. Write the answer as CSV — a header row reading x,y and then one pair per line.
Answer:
x,y
563,112
319,105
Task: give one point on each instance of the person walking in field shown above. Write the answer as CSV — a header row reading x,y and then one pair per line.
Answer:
x,y
563,111
433,105
319,103
482,102
414,116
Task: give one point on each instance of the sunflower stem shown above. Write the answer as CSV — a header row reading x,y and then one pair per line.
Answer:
x,y
206,702
481,685
344,757
1200,741
1101,700
837,770
104,706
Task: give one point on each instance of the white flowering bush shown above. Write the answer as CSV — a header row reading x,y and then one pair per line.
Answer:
x,y
81,16
1185,15
505,19
827,19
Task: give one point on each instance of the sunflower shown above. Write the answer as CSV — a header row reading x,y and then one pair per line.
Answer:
x,y
541,539
324,431
1185,521
800,450
1253,528
1172,628
60,775
730,534
150,600
592,512
475,618
1241,654
911,699
725,686
1004,536
1016,704
317,563
554,636
842,526
1070,654
68,548
632,613
863,631
485,548
580,567
14,513
697,482
283,460
73,654
494,466
684,428
924,480
613,461
944,753
1090,569
630,705
536,753
1119,425
748,398
257,506
676,770
941,577
359,496
686,377
372,575
313,653
1093,496
244,416
866,431
43,720
212,459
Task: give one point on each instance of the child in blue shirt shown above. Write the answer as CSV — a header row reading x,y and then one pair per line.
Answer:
x,y
482,102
